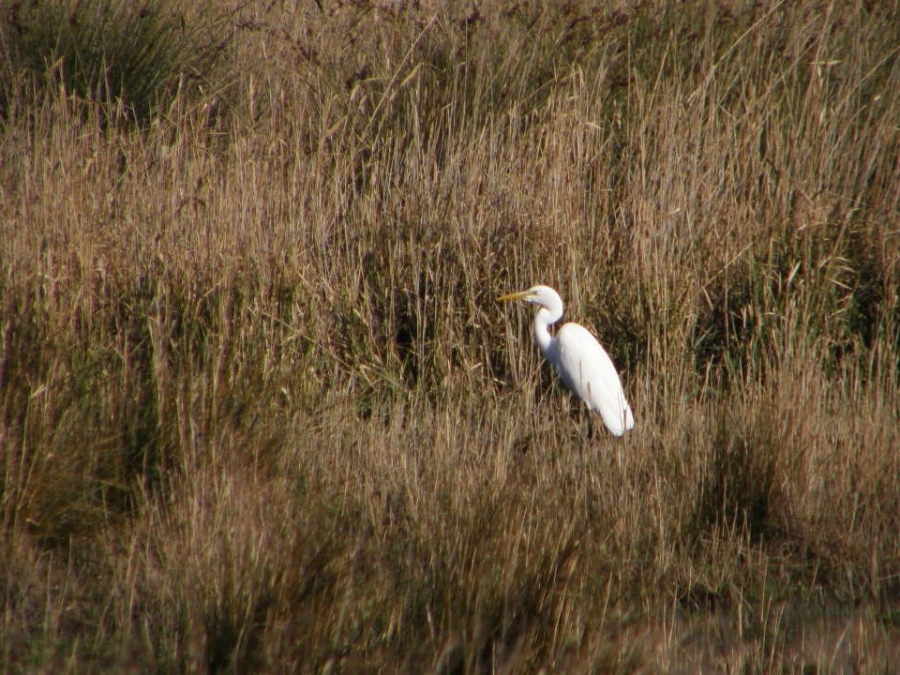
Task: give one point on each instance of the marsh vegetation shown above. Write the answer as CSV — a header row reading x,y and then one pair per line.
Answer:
x,y
261,412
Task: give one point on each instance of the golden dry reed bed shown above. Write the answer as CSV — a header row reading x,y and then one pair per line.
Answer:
x,y
261,411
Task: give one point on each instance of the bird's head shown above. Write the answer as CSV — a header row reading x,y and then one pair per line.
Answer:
x,y
550,305
543,296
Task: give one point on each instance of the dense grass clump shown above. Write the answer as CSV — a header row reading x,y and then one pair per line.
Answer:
x,y
129,58
260,409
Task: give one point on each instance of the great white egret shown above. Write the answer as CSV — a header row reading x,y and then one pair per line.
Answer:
x,y
580,360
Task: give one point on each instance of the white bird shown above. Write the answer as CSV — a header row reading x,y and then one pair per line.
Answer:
x,y
580,360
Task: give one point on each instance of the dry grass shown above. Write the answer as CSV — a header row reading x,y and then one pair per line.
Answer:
x,y
261,411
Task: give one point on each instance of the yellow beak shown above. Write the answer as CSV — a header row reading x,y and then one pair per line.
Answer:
x,y
519,295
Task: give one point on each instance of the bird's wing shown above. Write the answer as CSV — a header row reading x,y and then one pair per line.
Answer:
x,y
589,373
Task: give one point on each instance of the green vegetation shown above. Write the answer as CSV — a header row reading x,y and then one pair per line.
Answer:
x,y
260,409
127,58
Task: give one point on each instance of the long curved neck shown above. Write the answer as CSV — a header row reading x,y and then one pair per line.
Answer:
x,y
546,317
541,330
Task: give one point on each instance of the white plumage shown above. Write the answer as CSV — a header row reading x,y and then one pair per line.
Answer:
x,y
582,363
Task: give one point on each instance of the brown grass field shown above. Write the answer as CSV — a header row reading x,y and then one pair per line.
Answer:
x,y
260,410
